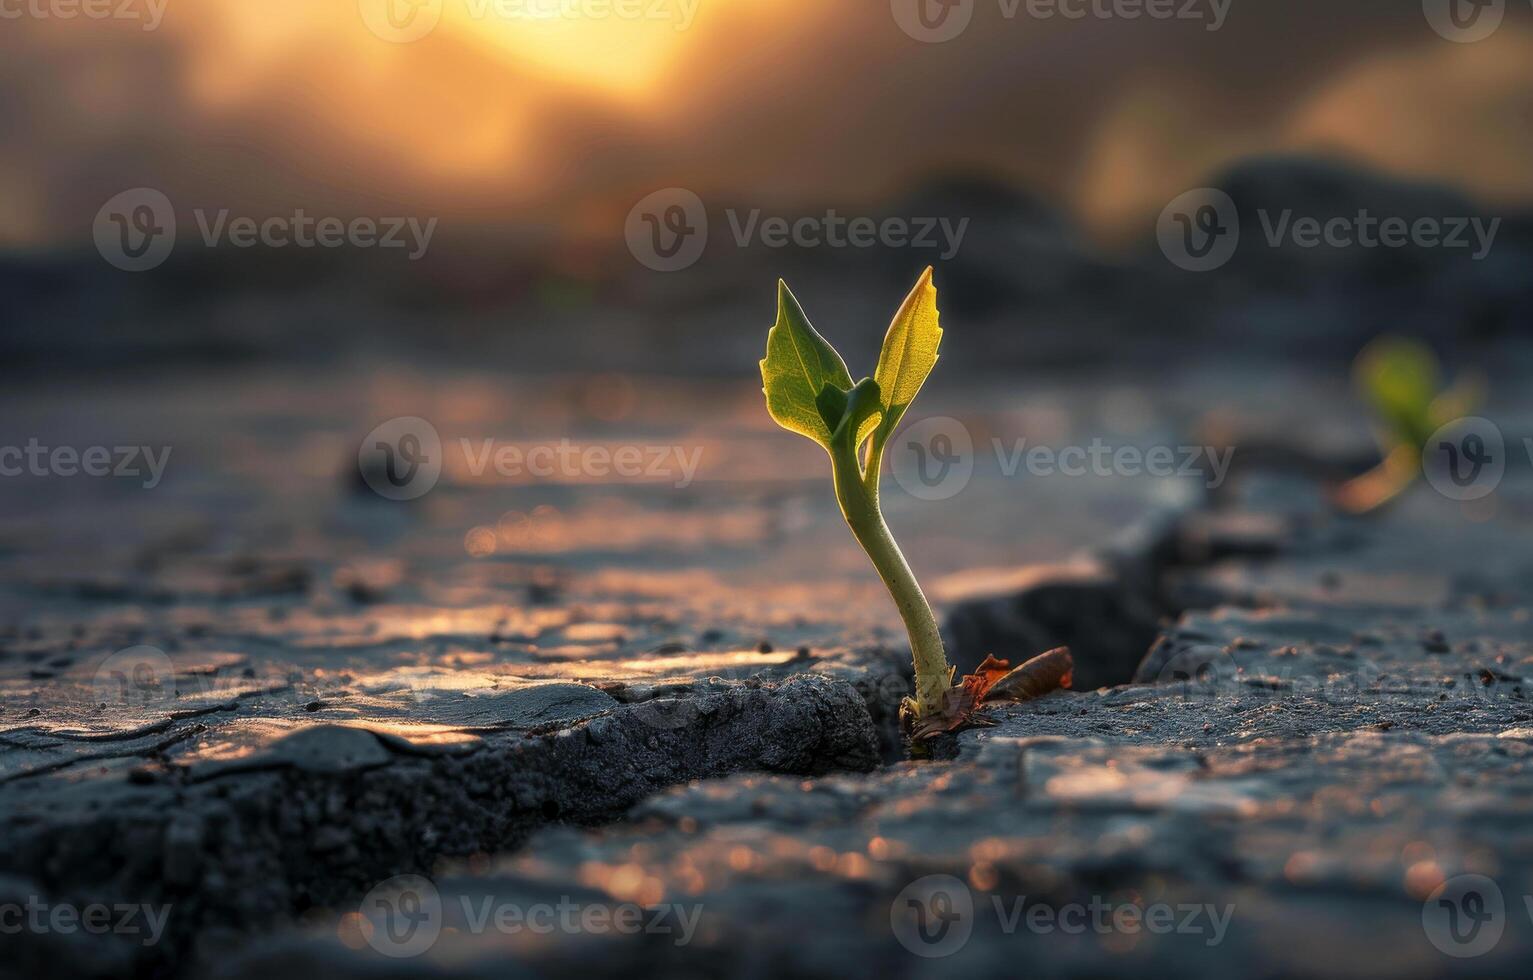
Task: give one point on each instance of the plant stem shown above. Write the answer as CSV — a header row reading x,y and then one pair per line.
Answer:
x,y
858,497
1386,481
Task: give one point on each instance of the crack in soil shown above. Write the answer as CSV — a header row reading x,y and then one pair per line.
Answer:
x,y
250,844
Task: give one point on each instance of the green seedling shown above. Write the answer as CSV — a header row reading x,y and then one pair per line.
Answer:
x,y
809,391
1401,381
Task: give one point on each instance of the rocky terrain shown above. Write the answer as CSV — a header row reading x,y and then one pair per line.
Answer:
x,y
274,723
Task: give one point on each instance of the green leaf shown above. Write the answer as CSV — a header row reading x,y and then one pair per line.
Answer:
x,y
908,356
1400,378
832,405
1462,398
799,363
863,407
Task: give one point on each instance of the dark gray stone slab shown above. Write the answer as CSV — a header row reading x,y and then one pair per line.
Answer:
x,y
1302,856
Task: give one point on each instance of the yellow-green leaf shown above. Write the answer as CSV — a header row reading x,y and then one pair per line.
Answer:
x,y
798,364
1400,377
909,353
859,417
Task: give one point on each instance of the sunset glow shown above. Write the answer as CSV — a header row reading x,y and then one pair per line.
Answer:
x,y
559,114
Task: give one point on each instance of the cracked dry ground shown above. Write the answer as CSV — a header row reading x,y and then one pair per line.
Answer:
x,y
254,694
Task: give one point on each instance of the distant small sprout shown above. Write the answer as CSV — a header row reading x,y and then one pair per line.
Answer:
x,y
1402,382
809,391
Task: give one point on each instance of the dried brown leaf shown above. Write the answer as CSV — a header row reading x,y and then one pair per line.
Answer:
x,y
994,681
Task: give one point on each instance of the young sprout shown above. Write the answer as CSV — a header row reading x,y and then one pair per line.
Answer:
x,y
809,391
1402,383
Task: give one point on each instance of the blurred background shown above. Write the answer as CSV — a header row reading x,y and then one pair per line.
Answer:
x,y
256,236
319,279
525,132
